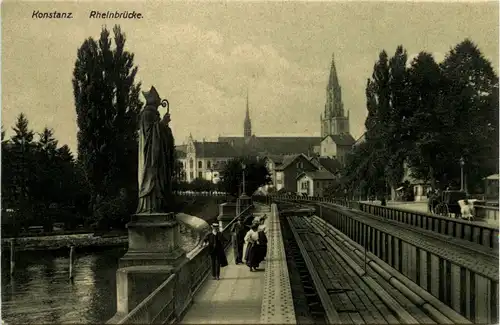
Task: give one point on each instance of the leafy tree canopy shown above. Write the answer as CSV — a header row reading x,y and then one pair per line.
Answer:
x,y
256,175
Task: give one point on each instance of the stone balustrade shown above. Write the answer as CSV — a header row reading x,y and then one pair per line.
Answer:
x,y
171,297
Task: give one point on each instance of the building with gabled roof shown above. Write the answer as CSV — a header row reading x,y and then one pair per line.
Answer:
x,y
329,164
314,183
284,170
203,159
337,146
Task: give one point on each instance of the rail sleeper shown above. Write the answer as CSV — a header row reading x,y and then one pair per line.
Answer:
x,y
332,316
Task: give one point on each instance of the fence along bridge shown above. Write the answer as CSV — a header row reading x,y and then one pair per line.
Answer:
x,y
339,267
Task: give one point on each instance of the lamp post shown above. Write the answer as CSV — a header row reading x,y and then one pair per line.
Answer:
x,y
462,163
243,166
211,179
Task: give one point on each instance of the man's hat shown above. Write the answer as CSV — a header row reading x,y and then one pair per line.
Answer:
x,y
255,222
215,225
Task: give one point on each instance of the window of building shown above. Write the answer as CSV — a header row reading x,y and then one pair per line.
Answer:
x,y
191,163
209,164
200,164
300,165
191,175
317,184
278,176
305,185
200,175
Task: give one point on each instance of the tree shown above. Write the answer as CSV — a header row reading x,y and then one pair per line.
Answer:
x,y
398,143
45,186
256,175
19,172
470,98
107,106
427,127
378,125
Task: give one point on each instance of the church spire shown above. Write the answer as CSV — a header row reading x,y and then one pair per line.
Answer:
x,y
334,106
247,125
333,81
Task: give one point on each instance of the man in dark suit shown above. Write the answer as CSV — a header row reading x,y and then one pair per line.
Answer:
x,y
215,242
238,231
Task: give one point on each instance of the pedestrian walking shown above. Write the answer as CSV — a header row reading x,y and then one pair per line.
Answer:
x,y
215,242
253,253
238,231
262,232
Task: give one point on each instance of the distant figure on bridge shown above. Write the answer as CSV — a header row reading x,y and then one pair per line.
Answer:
x,y
238,231
253,254
467,208
215,242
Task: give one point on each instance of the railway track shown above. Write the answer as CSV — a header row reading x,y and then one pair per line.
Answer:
x,y
338,290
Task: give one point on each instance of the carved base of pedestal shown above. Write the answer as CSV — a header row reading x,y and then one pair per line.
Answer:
x,y
153,240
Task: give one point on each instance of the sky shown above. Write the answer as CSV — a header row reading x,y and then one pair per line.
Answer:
x,y
202,57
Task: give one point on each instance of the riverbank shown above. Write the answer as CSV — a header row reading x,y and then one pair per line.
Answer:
x,y
56,242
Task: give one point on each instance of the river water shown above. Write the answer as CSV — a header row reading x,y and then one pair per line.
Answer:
x,y
41,293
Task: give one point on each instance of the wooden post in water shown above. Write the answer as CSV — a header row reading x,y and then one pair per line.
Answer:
x,y
12,256
71,259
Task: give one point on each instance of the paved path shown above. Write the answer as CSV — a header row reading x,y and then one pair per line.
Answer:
x,y
234,299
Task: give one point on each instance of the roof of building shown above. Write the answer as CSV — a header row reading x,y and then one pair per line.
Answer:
x,y
180,154
289,159
214,150
330,164
182,147
361,139
318,175
276,159
273,145
343,139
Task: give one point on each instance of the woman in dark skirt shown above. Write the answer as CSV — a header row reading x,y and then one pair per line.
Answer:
x,y
252,257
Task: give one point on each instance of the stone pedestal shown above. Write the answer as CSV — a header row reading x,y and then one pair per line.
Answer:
x,y
227,212
243,202
153,240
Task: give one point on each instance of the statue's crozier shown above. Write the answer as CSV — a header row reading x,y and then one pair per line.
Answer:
x,y
156,157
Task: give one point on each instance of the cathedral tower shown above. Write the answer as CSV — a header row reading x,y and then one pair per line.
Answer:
x,y
333,119
247,125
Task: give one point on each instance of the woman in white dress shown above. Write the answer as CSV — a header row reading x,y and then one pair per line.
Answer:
x,y
251,241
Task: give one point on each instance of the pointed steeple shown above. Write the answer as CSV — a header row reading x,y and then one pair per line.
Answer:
x,y
334,106
333,81
247,125
334,120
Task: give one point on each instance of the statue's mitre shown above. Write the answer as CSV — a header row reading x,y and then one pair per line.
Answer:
x,y
152,97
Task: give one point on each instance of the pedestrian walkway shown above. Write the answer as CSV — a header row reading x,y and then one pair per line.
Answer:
x,y
234,299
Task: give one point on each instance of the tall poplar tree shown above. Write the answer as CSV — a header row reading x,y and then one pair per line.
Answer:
x,y
107,106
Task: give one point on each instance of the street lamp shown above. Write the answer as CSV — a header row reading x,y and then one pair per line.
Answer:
x,y
243,166
462,163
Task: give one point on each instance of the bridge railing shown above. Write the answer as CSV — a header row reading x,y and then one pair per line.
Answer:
x,y
171,299
479,233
